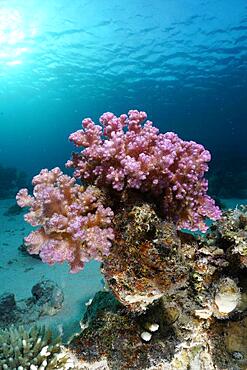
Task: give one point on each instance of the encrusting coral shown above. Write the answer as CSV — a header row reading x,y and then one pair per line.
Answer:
x,y
32,349
176,292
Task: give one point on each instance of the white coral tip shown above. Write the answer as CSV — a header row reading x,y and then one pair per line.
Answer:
x,y
153,327
146,336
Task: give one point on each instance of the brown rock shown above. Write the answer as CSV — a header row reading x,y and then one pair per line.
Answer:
x,y
145,261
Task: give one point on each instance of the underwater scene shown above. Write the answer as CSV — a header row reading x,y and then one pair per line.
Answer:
x,y
123,184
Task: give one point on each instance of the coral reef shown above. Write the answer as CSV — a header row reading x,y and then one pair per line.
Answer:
x,y
172,293
112,338
32,349
120,156
199,325
47,299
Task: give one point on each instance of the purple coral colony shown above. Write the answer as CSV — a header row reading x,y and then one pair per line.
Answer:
x,y
122,156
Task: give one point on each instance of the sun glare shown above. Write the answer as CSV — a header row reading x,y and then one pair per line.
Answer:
x,y
13,37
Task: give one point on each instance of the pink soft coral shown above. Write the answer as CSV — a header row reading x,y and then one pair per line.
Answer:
x,y
75,227
123,153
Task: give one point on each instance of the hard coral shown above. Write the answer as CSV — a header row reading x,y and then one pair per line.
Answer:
x,y
124,152
31,349
75,226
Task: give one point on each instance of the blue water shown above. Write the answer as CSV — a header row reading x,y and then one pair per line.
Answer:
x,y
182,61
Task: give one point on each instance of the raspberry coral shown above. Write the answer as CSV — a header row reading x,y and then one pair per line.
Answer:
x,y
128,152
75,226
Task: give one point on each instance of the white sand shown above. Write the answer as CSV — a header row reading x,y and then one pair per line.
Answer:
x,y
19,272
